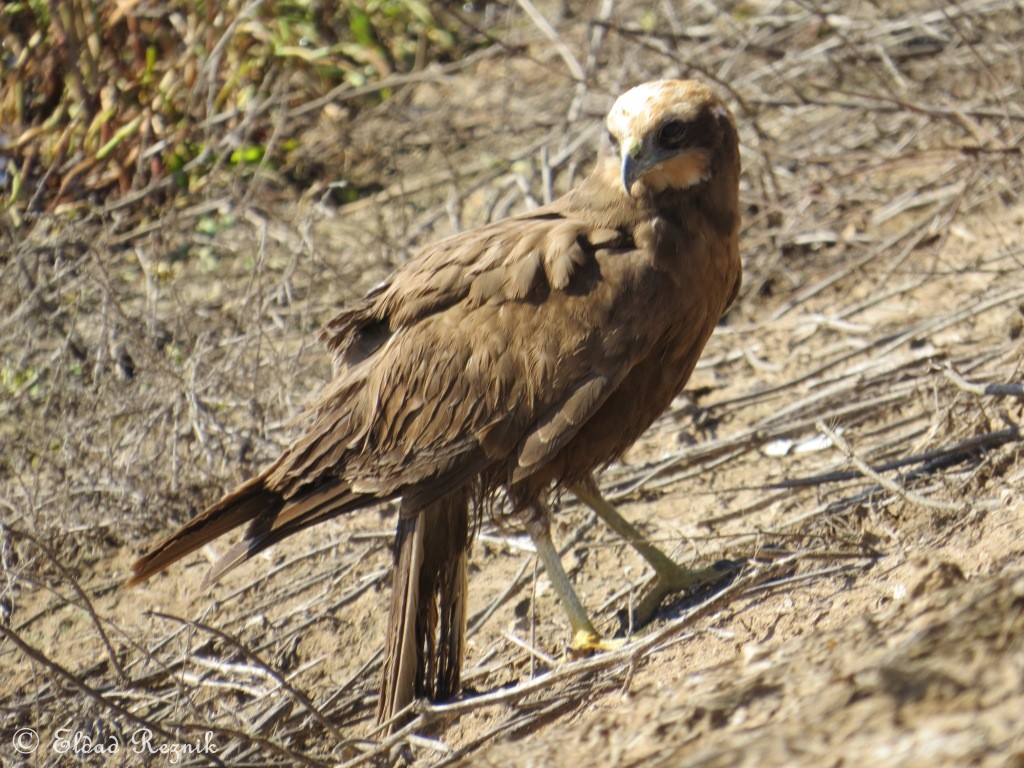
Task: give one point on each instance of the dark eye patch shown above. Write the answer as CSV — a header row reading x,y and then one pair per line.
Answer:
x,y
704,130
613,141
674,134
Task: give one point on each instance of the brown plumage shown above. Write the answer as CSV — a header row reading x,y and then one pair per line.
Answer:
x,y
520,355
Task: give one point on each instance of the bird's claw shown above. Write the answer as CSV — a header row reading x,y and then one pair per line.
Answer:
x,y
586,642
675,582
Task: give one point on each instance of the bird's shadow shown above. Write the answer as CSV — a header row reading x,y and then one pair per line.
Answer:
x,y
674,606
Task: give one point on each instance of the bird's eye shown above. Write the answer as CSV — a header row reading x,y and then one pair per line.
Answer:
x,y
613,141
673,133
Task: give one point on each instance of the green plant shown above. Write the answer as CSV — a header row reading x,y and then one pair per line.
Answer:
x,y
101,98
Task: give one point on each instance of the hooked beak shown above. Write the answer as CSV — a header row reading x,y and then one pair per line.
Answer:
x,y
632,166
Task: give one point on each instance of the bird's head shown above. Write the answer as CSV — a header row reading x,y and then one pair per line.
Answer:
x,y
666,133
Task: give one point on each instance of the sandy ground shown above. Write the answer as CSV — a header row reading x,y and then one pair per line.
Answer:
x,y
851,438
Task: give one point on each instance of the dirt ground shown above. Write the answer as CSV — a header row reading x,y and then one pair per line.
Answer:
x,y
851,438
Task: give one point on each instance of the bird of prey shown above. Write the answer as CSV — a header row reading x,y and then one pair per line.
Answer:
x,y
519,356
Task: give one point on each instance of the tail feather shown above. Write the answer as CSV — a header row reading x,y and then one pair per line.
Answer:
x,y
427,620
246,503
270,517
297,514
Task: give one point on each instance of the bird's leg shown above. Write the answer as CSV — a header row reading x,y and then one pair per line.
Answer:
x,y
584,636
672,577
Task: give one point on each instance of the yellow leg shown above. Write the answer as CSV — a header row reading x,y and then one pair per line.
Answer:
x,y
584,637
672,577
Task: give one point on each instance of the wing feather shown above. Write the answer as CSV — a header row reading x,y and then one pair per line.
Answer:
x,y
487,344
560,424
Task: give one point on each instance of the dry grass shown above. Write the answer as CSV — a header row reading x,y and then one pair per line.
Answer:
x,y
138,102
852,434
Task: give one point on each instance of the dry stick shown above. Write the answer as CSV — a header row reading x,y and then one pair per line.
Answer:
x,y
761,502
940,324
889,370
206,681
760,432
401,190
546,175
597,33
639,648
682,475
208,73
301,670
622,659
370,664
555,161
938,197
86,602
293,589
890,343
433,744
870,99
890,485
90,692
180,217
167,671
270,718
750,398
995,390
823,509
369,581
251,738
477,621
480,618
582,136
899,33
812,575
255,658
994,81
507,727
915,231
346,91
533,652
852,379
402,734
866,104
549,32
959,451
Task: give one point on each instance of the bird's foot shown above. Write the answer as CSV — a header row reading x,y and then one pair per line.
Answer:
x,y
586,642
676,580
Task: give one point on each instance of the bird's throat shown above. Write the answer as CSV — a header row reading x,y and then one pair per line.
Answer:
x,y
680,172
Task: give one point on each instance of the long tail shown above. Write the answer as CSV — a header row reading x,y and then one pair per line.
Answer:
x,y
269,515
427,621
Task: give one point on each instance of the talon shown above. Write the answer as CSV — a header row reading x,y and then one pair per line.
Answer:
x,y
674,582
585,642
